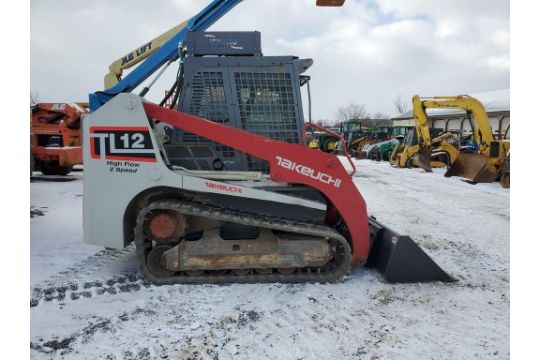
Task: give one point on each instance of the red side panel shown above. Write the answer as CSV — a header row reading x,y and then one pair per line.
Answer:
x,y
289,163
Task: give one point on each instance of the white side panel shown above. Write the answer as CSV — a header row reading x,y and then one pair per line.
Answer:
x,y
211,186
110,184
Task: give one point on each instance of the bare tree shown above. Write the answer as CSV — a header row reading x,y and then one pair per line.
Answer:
x,y
380,115
34,98
334,121
350,112
380,119
401,105
320,122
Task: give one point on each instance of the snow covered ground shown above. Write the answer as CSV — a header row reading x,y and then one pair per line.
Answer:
x,y
90,303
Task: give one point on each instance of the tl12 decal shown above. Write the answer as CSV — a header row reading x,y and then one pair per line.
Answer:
x,y
121,143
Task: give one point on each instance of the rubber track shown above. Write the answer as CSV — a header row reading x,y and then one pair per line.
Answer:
x,y
221,214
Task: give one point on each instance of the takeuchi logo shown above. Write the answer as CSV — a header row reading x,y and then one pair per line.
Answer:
x,y
307,171
223,187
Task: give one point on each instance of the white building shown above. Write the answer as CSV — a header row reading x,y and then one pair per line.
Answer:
x,y
497,104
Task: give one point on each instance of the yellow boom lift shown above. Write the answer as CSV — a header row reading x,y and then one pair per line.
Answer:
x,y
136,56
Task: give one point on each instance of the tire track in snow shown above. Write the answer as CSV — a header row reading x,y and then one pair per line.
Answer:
x,y
74,291
74,283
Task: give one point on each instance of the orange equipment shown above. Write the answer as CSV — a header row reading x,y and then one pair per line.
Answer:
x,y
330,2
56,136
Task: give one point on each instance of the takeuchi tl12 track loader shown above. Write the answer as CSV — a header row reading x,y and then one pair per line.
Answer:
x,y
264,208
305,221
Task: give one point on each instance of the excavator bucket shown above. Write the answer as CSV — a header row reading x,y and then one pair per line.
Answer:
x,y
475,167
422,159
505,172
399,259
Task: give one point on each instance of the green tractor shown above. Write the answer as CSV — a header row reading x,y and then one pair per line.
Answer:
x,y
382,150
399,132
328,142
349,130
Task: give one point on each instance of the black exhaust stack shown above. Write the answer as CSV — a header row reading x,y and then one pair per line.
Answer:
x,y
399,259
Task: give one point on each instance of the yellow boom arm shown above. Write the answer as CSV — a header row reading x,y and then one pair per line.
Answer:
x,y
421,121
482,131
138,55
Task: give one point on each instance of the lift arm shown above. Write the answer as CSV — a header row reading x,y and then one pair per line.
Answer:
x,y
289,163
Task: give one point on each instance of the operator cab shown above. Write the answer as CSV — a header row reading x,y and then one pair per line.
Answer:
x,y
226,78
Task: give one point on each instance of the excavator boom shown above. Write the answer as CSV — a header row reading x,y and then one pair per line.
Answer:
x,y
482,131
421,121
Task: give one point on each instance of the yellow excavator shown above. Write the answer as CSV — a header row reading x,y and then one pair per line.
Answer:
x,y
423,148
492,163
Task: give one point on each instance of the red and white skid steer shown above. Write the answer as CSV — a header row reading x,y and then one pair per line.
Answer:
x,y
305,221
299,219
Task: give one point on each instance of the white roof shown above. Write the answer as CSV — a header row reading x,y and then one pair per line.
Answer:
x,y
493,101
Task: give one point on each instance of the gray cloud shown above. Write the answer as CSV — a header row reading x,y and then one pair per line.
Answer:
x,y
365,52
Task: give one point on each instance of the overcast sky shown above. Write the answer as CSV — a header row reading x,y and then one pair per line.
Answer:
x,y
366,52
